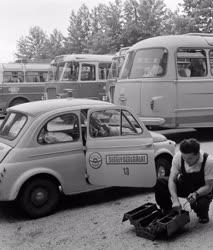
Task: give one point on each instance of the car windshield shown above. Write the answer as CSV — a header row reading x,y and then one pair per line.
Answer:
x,y
12,125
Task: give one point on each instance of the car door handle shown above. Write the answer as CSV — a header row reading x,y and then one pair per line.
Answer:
x,y
148,145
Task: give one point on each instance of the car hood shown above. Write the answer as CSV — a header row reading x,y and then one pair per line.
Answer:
x,y
4,149
157,137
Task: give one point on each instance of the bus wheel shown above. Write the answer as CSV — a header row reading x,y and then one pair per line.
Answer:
x,y
39,197
18,101
163,166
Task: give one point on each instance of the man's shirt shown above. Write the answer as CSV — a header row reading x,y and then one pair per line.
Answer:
x,y
208,170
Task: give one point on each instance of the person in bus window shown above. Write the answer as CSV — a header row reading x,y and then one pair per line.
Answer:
x,y
198,67
184,69
155,70
191,177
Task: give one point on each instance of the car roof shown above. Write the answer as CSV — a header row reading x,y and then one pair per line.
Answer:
x,y
40,107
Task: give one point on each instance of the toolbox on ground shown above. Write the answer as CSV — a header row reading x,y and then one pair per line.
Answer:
x,y
150,223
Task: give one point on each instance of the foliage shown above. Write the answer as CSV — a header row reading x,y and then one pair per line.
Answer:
x,y
105,28
78,30
33,45
201,12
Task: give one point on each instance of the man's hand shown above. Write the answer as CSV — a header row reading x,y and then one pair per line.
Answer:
x,y
176,206
192,197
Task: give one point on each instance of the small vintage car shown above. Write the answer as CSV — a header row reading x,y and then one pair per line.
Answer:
x,y
75,145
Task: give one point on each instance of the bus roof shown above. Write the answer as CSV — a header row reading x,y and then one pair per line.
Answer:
x,y
22,67
37,66
83,58
11,66
176,41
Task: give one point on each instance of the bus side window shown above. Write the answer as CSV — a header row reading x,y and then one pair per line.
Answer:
x,y
13,76
211,60
88,72
71,71
103,70
191,63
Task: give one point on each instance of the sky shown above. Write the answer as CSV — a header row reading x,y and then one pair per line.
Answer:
x,y
18,16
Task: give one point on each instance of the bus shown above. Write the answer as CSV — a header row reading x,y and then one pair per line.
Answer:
x,y
20,83
79,75
168,80
117,62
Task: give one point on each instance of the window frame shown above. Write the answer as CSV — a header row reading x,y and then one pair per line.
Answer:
x,y
188,61
20,129
44,129
37,74
158,68
91,65
121,126
18,74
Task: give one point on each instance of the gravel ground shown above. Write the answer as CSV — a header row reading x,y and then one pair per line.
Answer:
x,y
94,221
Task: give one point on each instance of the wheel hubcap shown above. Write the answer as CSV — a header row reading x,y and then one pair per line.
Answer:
x,y
161,171
39,196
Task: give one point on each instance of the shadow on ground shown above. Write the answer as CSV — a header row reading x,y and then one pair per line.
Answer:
x,y
100,196
10,212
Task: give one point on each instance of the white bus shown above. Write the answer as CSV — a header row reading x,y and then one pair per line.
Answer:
x,y
83,75
20,83
168,80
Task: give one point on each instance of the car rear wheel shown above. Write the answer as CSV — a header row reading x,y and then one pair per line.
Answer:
x,y
163,166
39,197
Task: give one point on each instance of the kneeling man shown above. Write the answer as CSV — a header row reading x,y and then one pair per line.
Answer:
x,y
191,177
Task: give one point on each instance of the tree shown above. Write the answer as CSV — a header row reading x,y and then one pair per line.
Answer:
x,y
56,44
183,24
151,16
113,19
79,30
131,28
33,45
143,19
201,12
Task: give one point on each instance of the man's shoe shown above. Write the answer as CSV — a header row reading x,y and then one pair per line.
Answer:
x,y
203,220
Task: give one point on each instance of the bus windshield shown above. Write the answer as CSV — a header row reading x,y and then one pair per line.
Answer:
x,y
146,63
58,69
117,63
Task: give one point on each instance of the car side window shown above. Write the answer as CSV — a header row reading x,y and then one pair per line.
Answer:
x,y
63,128
113,122
129,125
105,123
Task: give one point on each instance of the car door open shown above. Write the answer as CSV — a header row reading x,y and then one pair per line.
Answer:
x,y
120,150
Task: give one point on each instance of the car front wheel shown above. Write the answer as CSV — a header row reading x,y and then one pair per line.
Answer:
x,y
163,166
39,197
